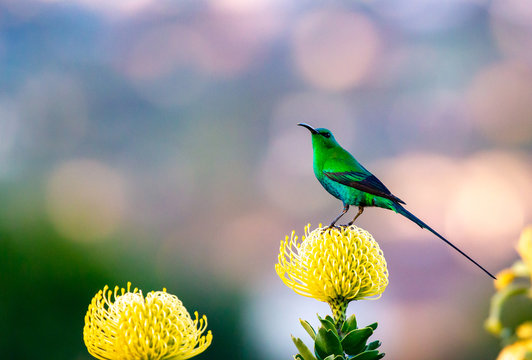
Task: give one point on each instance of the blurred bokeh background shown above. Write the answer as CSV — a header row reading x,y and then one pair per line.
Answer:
x,y
155,141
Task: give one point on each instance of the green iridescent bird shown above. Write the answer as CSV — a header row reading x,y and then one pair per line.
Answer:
x,y
344,178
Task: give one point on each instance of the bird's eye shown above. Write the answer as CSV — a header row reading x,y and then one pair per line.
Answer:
x,y
327,135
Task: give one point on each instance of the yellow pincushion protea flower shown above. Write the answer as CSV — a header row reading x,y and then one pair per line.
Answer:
x,y
524,248
516,351
335,265
153,327
523,346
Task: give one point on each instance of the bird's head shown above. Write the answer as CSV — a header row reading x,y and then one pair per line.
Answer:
x,y
321,137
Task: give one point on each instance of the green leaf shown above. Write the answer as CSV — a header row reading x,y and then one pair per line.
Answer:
x,y
304,351
328,323
368,355
327,343
329,318
308,328
298,357
514,308
355,341
373,345
373,326
349,324
334,357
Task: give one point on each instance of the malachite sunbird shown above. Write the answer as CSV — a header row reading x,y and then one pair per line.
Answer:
x,y
344,178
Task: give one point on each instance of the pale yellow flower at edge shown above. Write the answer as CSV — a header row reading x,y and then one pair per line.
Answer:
x,y
524,331
516,351
154,327
524,247
521,347
504,278
331,264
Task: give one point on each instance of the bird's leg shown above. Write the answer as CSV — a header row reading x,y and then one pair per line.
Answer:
x,y
346,207
360,211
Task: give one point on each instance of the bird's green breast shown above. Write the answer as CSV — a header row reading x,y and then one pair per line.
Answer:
x,y
339,160
333,160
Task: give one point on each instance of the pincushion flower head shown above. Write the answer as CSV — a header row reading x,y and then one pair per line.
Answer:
x,y
335,265
510,316
521,349
124,324
513,299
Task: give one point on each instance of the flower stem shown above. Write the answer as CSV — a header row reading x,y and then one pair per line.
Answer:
x,y
338,308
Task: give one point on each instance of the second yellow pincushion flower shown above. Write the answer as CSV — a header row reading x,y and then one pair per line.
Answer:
x,y
137,327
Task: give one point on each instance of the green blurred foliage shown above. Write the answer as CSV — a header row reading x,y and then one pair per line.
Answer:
x,y
48,282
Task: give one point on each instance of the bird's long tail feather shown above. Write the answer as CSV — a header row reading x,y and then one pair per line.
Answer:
x,y
401,210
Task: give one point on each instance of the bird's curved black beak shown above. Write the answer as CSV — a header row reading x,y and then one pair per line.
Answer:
x,y
310,128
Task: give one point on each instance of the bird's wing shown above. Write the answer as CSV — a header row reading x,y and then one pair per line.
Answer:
x,y
364,182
